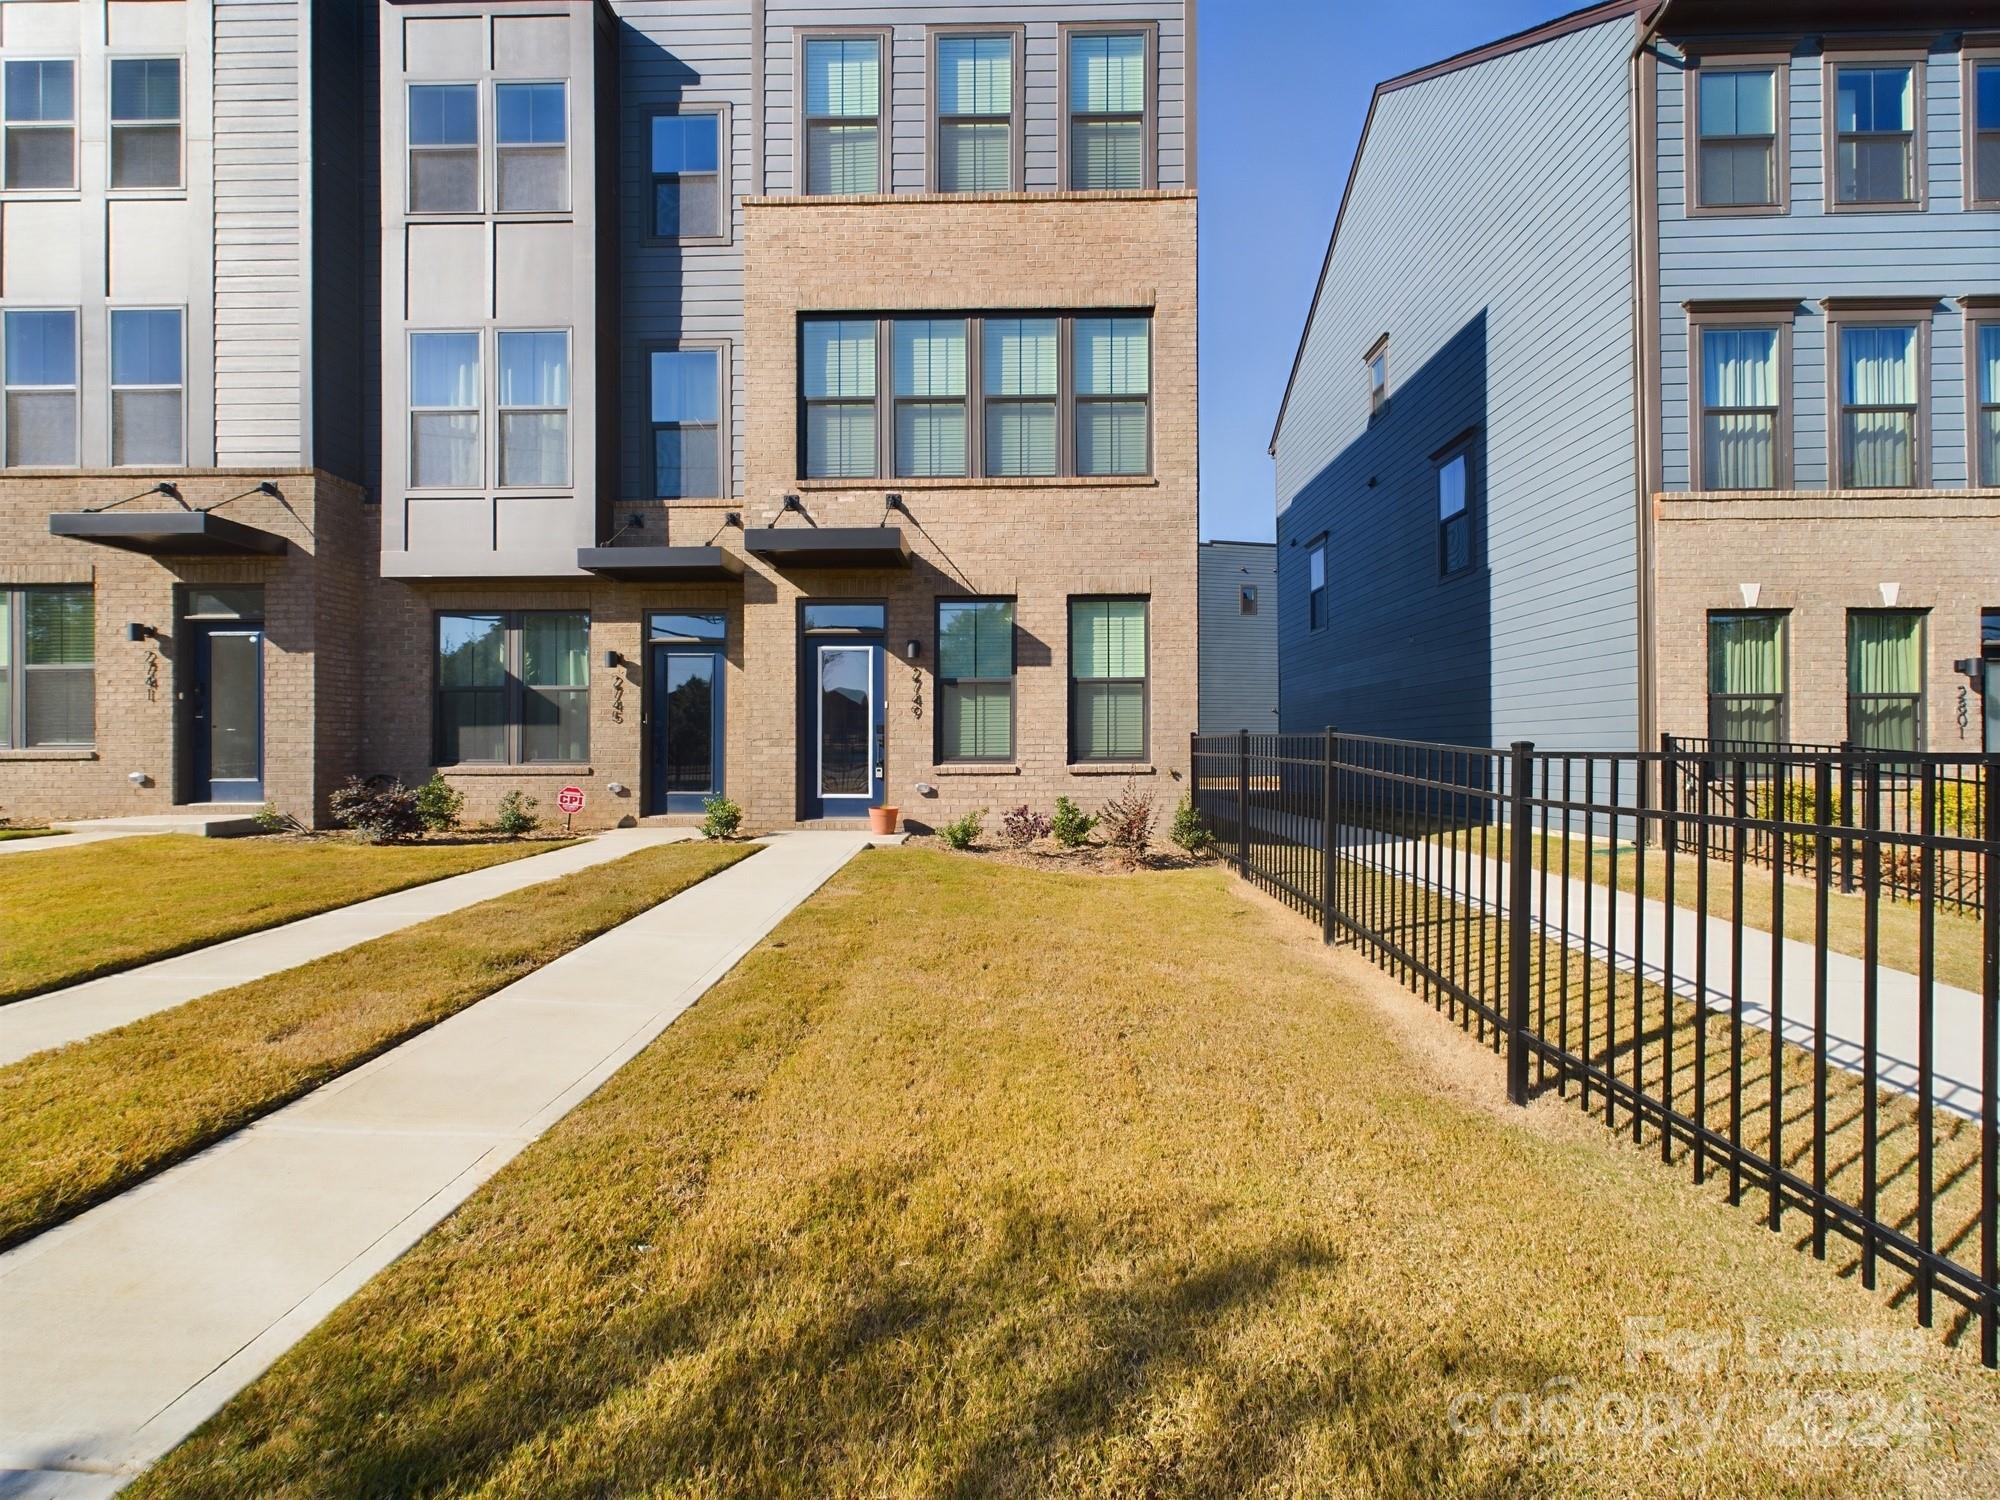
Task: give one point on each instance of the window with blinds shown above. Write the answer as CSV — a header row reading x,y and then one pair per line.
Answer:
x,y
839,389
1107,687
843,115
1113,389
1746,678
1022,386
688,200
1885,678
1108,94
145,122
148,395
975,666
975,113
930,395
48,671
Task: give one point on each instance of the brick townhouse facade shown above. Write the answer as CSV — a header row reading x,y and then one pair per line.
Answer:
x,y
782,401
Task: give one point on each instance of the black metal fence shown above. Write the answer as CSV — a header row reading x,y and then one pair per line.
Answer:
x,y
1786,1000
1750,786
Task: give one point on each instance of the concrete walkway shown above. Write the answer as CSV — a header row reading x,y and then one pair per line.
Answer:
x,y
127,1327
82,1010
229,823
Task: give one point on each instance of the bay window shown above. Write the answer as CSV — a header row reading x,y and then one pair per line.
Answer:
x,y
513,687
1107,688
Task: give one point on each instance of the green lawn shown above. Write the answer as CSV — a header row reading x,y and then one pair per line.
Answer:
x,y
68,915
1162,1202
82,1122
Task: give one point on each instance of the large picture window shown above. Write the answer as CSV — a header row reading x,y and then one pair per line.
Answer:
x,y
1108,99
687,424
975,655
1885,679
1746,678
530,147
688,201
1107,689
40,363
534,408
145,122
48,675
38,103
843,114
974,93
1881,402
148,395
513,687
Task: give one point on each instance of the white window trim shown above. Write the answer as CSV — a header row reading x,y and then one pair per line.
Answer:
x,y
112,126
112,388
75,388
567,410
412,409
410,150
492,189
74,127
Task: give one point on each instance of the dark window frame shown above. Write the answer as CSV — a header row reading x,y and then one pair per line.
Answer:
x,y
896,400
1921,697
1717,699
1889,314
1145,682
1974,60
1012,681
1978,318
513,688
14,604
1748,317
1246,600
1461,448
73,125
1778,65
1378,392
725,199
884,38
1833,63
725,459
1317,612
1067,400
1149,126
936,120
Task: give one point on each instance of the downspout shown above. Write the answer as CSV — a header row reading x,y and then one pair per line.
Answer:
x,y
1645,362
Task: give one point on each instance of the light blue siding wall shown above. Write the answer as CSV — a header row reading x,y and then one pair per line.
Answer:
x,y
1239,652
1809,254
1488,233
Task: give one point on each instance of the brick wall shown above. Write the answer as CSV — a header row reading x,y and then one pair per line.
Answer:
x,y
1818,555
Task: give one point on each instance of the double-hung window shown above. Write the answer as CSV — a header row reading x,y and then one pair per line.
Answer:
x,y
1738,157
513,687
444,148
40,361
1378,379
444,410
1982,132
1454,502
534,407
38,117
686,398
48,676
1316,587
1108,119
974,90
1741,384
1113,395
1885,679
1246,599
1881,386
839,390
688,202
1107,686
1746,677
975,656
145,122
1985,338
530,147
148,388
1874,129
1023,365
843,114
929,359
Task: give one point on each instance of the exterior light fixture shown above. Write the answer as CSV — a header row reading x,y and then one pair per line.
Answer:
x,y
913,649
137,632
613,661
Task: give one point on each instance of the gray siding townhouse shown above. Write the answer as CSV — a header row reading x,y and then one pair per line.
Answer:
x,y
1652,385
792,400
1238,584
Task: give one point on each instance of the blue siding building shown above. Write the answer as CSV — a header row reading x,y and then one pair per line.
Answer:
x,y
1495,521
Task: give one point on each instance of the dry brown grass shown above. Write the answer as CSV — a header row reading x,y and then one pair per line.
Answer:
x,y
83,1122
976,1181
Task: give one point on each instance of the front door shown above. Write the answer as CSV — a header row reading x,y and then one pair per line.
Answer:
x,y
227,720
684,739
842,732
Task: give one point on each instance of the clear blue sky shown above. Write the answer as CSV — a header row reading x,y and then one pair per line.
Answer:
x,y
1284,89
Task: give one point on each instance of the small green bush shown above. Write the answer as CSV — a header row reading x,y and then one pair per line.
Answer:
x,y
439,803
1071,825
267,818
720,818
1189,831
517,814
963,833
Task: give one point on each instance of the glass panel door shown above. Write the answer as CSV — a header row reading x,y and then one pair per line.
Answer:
x,y
846,714
229,716
685,728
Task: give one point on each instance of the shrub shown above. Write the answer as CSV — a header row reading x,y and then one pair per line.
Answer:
x,y
1071,824
1188,830
1127,821
517,814
1799,804
439,803
720,818
963,833
1023,826
267,818
380,808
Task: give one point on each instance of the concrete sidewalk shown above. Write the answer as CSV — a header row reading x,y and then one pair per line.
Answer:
x,y
233,823
81,1010
132,1324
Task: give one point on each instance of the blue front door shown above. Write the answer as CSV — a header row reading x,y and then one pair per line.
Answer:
x,y
227,718
842,726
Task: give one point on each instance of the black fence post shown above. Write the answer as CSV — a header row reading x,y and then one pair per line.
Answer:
x,y
1520,867
1989,1129
1844,814
1243,803
1329,821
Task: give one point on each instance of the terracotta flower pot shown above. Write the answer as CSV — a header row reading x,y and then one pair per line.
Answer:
x,y
883,819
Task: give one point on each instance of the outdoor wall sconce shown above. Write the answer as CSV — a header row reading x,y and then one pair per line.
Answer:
x,y
138,632
138,778
913,649
895,502
613,661
618,789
